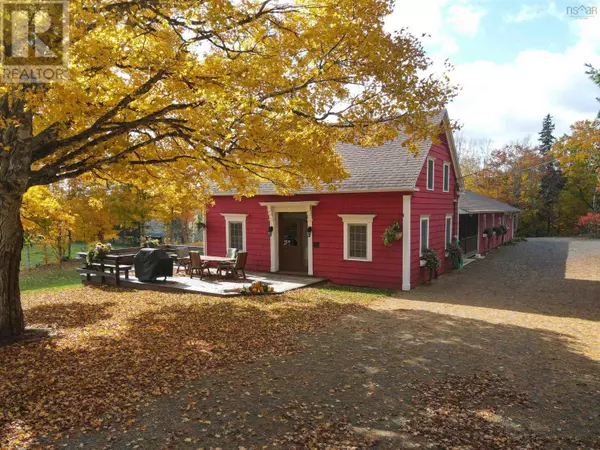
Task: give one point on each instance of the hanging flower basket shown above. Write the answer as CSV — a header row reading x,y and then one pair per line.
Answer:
x,y
392,233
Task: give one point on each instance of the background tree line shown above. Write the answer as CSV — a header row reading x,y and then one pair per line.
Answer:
x,y
554,181
57,215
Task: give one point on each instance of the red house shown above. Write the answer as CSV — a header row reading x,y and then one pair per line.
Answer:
x,y
338,235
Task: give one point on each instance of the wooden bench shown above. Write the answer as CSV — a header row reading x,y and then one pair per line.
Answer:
x,y
114,267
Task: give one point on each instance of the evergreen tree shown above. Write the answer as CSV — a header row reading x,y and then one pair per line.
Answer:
x,y
594,75
552,180
546,137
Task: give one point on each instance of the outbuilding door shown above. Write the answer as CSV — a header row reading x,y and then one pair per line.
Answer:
x,y
293,242
468,233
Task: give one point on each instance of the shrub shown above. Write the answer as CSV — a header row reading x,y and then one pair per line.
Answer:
x,y
589,225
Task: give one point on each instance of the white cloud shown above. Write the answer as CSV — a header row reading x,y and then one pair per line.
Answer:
x,y
529,12
508,101
425,17
465,19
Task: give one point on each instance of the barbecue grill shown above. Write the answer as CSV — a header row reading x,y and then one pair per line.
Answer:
x,y
151,263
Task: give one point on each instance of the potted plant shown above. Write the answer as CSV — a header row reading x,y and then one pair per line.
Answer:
x,y
431,261
496,231
392,233
455,252
487,233
99,251
148,242
257,288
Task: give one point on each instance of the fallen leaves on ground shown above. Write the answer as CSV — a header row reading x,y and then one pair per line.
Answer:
x,y
468,413
108,349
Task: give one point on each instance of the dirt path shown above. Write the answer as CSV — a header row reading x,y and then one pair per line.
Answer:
x,y
502,355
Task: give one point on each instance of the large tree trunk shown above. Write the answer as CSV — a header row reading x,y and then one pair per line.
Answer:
x,y
11,243
15,163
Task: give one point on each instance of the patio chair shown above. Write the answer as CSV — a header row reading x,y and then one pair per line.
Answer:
x,y
197,265
234,268
232,252
183,258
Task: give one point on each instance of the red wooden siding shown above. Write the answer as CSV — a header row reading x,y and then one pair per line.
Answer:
x,y
486,244
436,204
385,270
257,224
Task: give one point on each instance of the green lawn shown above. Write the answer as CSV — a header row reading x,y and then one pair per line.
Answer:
x,y
37,257
50,276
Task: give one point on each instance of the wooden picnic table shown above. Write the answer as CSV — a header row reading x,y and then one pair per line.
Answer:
x,y
115,266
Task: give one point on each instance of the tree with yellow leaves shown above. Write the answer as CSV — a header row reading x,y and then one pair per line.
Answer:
x,y
45,214
223,93
579,158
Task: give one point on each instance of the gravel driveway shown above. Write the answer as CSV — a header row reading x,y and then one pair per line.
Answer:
x,y
504,354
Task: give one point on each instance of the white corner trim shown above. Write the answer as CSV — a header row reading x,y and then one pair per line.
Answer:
x,y
205,232
358,219
444,167
430,158
406,238
235,217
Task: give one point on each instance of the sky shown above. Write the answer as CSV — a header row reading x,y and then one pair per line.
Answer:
x,y
515,61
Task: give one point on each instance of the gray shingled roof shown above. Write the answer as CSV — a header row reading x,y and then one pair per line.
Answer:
x,y
471,202
387,167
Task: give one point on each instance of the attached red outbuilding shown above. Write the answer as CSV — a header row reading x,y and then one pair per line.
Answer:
x,y
479,213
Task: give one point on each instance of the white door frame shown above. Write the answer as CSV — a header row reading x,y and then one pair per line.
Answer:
x,y
274,208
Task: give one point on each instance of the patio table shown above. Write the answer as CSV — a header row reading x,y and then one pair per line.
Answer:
x,y
208,258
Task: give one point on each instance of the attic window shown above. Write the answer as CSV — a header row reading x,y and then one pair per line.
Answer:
x,y
430,173
446,177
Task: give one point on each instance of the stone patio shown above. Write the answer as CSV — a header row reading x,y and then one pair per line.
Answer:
x,y
213,286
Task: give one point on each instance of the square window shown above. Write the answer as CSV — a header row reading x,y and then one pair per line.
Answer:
x,y
357,245
358,236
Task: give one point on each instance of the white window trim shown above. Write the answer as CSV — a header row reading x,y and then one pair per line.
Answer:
x,y
432,175
446,166
448,216
358,219
422,218
230,217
